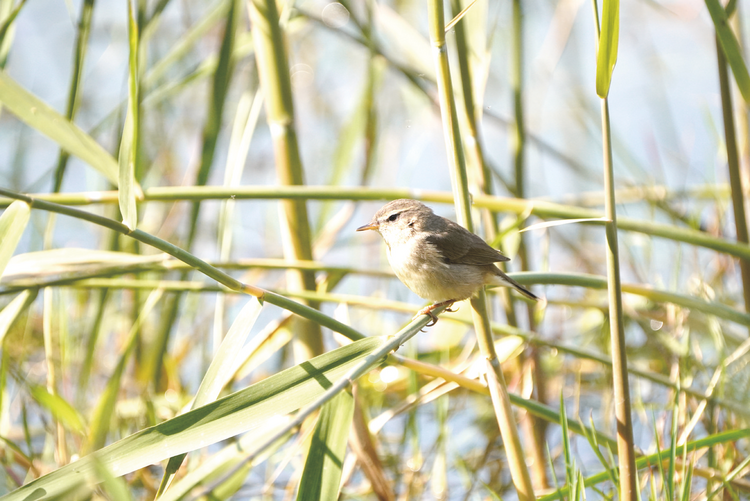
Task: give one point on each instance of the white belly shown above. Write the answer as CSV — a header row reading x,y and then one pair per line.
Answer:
x,y
422,269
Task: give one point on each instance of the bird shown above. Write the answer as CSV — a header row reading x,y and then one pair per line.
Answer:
x,y
438,259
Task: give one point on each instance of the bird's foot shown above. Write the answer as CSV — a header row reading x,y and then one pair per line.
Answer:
x,y
429,311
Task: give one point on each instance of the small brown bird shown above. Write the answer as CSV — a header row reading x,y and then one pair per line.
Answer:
x,y
437,259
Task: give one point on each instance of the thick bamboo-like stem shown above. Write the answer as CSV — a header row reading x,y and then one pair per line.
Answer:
x,y
625,449
273,69
457,163
733,161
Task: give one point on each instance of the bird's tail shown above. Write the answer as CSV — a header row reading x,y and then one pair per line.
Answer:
x,y
504,280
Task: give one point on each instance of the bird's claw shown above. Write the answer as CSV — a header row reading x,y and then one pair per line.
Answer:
x,y
428,311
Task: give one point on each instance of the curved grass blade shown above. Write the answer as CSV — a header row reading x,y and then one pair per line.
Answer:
x,y
12,224
242,411
321,477
40,116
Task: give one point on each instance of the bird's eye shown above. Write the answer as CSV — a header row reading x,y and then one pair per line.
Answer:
x,y
393,217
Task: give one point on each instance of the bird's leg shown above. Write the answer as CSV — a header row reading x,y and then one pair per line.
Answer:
x,y
429,311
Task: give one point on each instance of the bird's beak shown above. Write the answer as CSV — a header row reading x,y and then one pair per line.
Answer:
x,y
369,226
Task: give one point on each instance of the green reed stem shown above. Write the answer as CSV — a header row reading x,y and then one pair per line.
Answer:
x,y
625,447
462,201
539,208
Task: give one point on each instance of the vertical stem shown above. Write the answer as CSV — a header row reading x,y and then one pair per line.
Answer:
x,y
534,428
735,177
625,450
519,127
457,163
273,69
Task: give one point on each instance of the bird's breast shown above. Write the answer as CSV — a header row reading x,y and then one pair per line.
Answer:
x,y
422,268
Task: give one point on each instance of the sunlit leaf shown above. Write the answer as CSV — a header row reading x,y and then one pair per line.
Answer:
x,y
12,224
40,116
223,367
72,261
242,411
606,55
10,313
321,477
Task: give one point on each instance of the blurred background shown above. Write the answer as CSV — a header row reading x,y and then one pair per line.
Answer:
x,y
362,76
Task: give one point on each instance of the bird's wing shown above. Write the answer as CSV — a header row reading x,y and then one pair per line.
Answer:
x,y
470,249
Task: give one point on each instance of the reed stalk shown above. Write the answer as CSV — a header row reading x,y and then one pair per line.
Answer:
x,y
607,40
457,164
273,69
625,447
733,163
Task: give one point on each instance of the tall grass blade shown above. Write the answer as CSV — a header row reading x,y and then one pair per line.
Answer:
x,y
687,481
659,460
217,99
608,38
733,165
321,477
671,479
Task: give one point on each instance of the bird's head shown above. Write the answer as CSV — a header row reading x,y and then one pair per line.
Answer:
x,y
399,219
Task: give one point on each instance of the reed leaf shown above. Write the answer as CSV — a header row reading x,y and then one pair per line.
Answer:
x,y
40,116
